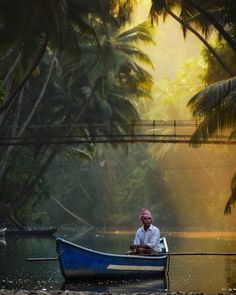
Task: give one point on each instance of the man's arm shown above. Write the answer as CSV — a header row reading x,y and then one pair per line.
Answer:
x,y
140,249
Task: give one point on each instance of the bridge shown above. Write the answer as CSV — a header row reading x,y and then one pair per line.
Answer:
x,y
145,131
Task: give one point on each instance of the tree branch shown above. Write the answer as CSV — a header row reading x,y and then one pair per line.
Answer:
x,y
209,47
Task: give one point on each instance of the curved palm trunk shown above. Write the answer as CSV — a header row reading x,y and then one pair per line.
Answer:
x,y
8,216
3,163
6,158
12,69
4,57
30,183
73,214
209,47
16,222
215,23
14,93
232,199
23,195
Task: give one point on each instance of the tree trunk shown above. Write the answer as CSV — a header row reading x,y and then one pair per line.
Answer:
x,y
28,73
73,214
4,161
7,216
210,48
215,23
12,69
25,192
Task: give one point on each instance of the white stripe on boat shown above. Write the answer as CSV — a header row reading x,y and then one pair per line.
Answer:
x,y
134,267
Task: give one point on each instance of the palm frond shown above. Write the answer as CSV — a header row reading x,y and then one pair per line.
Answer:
x,y
201,24
123,107
221,118
135,52
139,33
207,99
191,15
122,9
160,7
141,73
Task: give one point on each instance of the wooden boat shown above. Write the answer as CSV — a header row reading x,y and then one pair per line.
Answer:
x,y
77,262
30,232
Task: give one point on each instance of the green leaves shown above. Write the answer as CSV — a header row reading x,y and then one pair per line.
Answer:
x,y
216,104
96,78
215,96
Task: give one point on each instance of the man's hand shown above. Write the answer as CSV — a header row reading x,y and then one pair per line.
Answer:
x,y
140,249
133,247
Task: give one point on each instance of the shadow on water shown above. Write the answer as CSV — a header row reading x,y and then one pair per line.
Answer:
x,y
120,286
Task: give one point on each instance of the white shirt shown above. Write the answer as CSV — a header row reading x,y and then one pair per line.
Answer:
x,y
150,237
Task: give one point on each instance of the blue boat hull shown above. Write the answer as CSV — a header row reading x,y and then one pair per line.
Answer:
x,y
78,262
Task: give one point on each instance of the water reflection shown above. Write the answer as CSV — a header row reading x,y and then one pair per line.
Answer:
x,y
16,273
205,274
118,286
231,272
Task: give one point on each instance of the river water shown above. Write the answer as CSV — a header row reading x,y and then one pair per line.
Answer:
x,y
202,274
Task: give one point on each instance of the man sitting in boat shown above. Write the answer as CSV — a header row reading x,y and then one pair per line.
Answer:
x,y
147,238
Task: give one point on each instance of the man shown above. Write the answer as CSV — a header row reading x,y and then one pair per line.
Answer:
x,y
147,238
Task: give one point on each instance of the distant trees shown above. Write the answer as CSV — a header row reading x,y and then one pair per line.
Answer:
x,y
112,187
73,61
29,28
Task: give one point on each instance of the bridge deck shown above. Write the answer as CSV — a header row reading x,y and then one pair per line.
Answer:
x,y
155,131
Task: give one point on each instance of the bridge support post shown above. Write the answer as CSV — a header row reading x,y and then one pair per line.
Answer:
x,y
175,129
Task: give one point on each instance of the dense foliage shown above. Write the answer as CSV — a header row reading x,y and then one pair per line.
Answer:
x,y
215,105
70,63
96,78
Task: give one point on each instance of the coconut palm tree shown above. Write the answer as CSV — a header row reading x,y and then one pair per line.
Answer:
x,y
92,86
204,15
216,105
196,16
27,28
112,73
213,17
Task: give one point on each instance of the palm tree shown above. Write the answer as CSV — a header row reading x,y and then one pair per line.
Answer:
x,y
90,87
27,28
198,15
112,73
216,104
213,18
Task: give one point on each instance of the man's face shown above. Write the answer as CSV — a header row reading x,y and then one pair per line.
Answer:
x,y
147,221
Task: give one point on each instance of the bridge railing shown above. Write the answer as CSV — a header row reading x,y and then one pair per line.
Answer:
x,y
172,131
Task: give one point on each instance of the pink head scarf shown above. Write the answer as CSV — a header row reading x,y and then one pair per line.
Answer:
x,y
145,213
